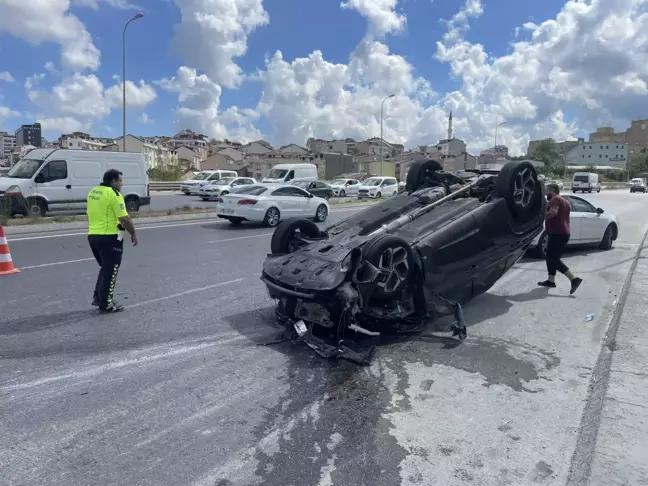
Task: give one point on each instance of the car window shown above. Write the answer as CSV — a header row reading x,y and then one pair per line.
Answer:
x,y
283,191
252,190
54,171
581,206
297,192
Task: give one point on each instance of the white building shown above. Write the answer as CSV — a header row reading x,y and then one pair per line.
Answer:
x,y
157,156
195,141
7,145
260,147
82,144
598,154
293,148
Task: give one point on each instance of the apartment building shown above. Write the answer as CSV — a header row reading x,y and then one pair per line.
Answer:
x,y
29,135
7,145
83,141
606,154
561,147
345,146
195,141
636,136
157,156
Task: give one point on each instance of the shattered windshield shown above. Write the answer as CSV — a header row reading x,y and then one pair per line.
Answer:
x,y
25,169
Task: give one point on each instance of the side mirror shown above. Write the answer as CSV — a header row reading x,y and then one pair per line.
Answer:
x,y
599,211
310,195
40,178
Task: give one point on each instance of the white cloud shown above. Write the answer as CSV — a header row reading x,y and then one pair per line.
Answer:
x,y
6,113
212,33
199,103
144,119
64,124
95,4
80,99
41,21
6,76
380,14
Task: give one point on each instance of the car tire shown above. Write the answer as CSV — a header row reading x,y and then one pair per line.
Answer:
x,y
224,193
418,172
272,217
519,185
397,278
608,238
379,195
132,204
236,221
540,250
205,198
342,193
36,207
283,239
321,213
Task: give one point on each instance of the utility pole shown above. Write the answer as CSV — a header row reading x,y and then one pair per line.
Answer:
x,y
135,17
382,141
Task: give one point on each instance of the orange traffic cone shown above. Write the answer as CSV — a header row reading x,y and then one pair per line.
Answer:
x,y
6,264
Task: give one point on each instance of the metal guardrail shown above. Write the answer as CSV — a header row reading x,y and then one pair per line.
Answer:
x,y
164,186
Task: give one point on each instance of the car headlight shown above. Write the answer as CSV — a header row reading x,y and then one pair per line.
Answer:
x,y
13,190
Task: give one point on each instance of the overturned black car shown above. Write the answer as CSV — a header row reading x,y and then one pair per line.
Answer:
x,y
414,257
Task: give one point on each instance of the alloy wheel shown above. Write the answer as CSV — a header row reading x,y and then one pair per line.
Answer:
x,y
523,188
394,266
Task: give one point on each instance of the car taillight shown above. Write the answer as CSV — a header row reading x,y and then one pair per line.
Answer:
x,y
248,202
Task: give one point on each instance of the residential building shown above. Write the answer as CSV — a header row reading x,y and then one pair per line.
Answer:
x,y
636,136
190,157
346,146
232,153
293,148
157,156
7,145
336,164
463,161
599,154
216,146
187,138
607,134
225,162
260,147
375,146
83,141
385,168
561,147
29,135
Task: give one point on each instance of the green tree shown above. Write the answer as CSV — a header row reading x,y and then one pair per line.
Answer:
x,y
546,152
638,164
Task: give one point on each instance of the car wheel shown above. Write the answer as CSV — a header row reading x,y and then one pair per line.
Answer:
x,y
205,198
394,259
36,208
342,193
418,172
132,204
224,193
321,214
292,235
598,190
518,184
540,250
608,238
272,217
235,221
378,195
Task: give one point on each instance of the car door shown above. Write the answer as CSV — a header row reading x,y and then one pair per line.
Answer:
x,y
592,225
53,183
302,201
352,187
284,198
576,217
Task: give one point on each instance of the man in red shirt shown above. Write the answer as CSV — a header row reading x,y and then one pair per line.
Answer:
x,y
557,228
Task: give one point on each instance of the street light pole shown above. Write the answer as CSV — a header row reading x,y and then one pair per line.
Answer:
x,y
382,142
135,17
495,147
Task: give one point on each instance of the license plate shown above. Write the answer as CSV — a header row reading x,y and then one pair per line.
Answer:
x,y
227,211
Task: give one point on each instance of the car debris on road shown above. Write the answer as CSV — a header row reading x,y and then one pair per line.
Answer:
x,y
405,261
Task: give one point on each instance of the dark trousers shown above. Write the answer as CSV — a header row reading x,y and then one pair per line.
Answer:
x,y
555,247
107,250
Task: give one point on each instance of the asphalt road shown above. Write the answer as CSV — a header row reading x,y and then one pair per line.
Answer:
x,y
179,389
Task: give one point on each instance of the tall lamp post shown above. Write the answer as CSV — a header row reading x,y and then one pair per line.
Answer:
x,y
382,141
135,17
495,147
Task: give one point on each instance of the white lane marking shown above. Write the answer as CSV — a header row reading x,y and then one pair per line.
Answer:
x,y
186,292
57,263
155,226
120,364
240,238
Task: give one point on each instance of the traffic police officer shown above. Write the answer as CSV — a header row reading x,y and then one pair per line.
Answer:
x,y
107,220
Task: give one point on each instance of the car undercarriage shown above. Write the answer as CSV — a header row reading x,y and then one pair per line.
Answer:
x,y
404,262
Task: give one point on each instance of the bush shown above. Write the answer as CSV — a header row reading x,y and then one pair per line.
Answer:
x,y
170,174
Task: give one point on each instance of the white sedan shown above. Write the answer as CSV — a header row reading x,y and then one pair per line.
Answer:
x,y
589,226
270,203
223,186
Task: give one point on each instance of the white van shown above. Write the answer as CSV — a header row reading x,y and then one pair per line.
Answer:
x,y
377,187
202,178
288,172
50,179
586,182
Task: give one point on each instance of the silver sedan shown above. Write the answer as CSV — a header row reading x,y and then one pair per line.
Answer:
x,y
223,186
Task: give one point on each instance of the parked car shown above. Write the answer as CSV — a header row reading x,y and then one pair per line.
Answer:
x,y
637,185
345,187
377,187
557,183
585,182
49,179
413,257
271,203
316,188
224,186
192,186
589,226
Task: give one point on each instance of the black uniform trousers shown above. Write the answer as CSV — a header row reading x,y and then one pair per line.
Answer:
x,y
555,247
107,250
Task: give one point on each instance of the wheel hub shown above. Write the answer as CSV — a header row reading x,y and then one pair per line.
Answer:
x,y
524,188
394,268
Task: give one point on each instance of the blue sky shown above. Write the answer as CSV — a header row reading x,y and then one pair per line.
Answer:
x,y
296,28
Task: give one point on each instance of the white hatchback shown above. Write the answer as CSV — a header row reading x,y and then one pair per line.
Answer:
x,y
588,225
377,187
345,187
270,203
